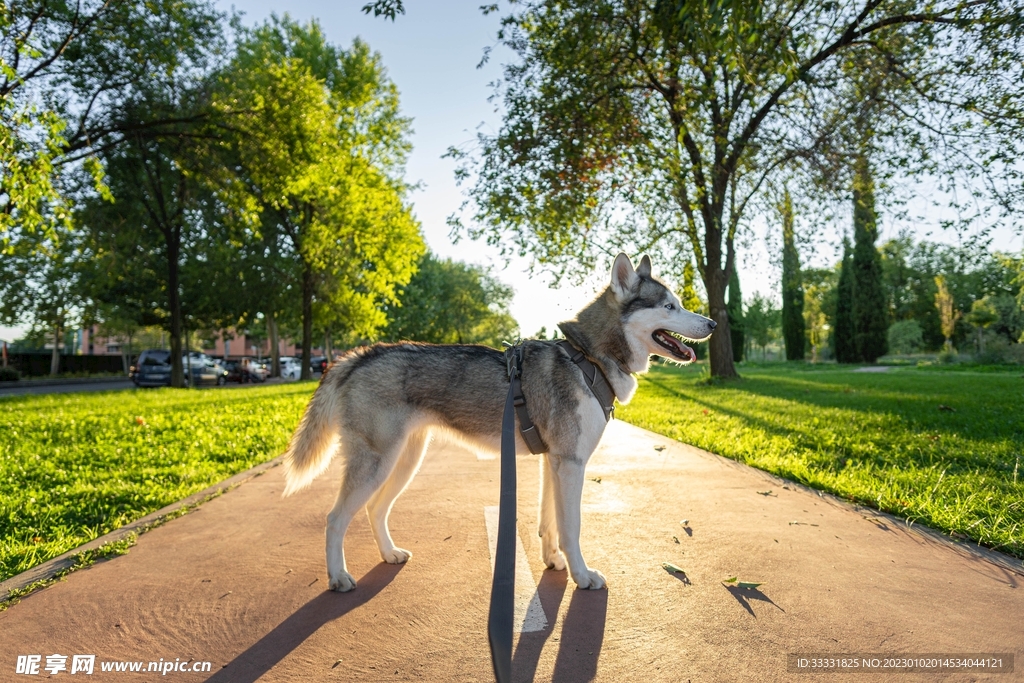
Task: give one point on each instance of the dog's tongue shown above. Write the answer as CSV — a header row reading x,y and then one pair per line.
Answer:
x,y
680,349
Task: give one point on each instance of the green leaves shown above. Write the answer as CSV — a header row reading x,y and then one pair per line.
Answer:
x,y
448,302
742,584
317,159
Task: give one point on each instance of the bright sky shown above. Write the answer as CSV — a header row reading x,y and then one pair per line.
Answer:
x,y
432,53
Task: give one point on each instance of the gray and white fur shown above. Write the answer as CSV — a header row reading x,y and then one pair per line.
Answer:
x,y
378,407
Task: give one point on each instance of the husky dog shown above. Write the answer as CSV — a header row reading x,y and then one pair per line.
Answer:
x,y
378,406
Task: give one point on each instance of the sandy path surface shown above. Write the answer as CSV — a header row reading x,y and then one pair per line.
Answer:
x,y
241,583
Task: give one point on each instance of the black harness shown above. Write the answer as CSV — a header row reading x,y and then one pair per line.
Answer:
x,y
499,619
594,377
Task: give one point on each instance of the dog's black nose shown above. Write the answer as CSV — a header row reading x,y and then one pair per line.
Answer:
x,y
713,324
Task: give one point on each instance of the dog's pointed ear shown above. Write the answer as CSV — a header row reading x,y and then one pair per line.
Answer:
x,y
624,278
644,268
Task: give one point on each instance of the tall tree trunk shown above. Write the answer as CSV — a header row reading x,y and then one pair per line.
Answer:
x,y
720,344
715,282
275,354
307,320
55,356
174,304
328,347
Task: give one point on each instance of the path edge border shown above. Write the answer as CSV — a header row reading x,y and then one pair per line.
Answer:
x,y
56,566
925,533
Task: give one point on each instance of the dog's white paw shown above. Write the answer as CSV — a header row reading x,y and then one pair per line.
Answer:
x,y
591,579
343,583
553,559
396,556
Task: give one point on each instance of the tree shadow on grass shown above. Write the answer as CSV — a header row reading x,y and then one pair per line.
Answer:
x,y
768,427
263,655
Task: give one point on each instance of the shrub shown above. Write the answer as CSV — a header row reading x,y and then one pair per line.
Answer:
x,y
905,337
9,375
999,351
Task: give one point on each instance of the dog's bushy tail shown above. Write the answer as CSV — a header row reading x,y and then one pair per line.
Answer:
x,y
315,441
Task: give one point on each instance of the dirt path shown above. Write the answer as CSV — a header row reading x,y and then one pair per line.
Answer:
x,y
241,583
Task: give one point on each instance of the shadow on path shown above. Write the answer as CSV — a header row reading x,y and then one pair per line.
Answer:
x,y
582,637
550,590
745,595
293,631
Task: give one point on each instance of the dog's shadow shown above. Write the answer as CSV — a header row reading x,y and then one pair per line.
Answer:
x,y
581,633
293,631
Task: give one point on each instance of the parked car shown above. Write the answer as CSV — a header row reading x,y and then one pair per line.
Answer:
x,y
153,369
318,363
254,372
205,370
291,368
260,369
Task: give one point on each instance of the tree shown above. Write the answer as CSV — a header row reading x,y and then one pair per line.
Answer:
x,y
819,306
844,343
40,283
317,153
905,337
792,289
688,295
735,309
66,69
149,227
763,321
655,124
982,315
949,314
449,302
870,317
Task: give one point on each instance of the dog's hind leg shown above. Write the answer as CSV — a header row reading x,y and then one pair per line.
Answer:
x,y
379,506
365,470
548,523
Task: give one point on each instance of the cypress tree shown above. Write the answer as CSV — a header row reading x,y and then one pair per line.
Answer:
x,y
734,308
870,319
792,288
843,343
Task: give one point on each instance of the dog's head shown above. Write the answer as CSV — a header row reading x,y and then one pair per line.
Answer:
x,y
653,318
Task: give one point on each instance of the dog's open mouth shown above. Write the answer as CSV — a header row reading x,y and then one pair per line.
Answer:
x,y
674,344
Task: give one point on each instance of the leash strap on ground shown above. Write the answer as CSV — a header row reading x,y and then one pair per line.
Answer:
x,y
499,620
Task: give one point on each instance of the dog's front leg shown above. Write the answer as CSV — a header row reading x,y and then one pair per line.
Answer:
x,y
568,471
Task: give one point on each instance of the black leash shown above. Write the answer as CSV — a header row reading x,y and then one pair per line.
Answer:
x,y
499,620
500,617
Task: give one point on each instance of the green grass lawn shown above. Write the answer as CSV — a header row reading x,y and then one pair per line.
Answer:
x,y
877,439
76,466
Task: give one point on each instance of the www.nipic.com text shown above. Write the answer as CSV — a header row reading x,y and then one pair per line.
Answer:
x,y
34,665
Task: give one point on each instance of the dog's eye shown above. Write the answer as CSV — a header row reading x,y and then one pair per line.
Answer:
x,y
670,307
